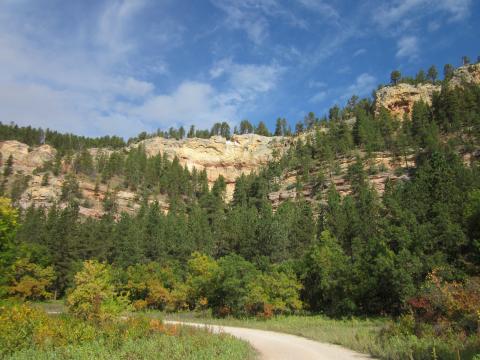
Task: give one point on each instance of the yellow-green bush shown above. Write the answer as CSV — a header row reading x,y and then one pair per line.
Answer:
x,y
94,296
29,281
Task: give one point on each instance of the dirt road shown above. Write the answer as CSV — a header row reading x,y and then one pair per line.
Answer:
x,y
277,346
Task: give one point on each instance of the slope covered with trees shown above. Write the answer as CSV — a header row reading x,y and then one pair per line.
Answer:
x,y
412,252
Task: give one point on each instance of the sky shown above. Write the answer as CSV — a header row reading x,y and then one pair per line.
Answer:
x,y
120,67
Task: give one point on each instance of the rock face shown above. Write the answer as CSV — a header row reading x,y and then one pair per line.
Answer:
x,y
242,154
466,74
24,158
399,99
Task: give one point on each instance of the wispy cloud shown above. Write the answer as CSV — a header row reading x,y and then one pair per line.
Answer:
x,y
113,23
364,83
407,47
359,52
316,84
321,7
253,16
249,77
392,14
318,97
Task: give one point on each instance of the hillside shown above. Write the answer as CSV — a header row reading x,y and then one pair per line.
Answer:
x,y
374,211
217,156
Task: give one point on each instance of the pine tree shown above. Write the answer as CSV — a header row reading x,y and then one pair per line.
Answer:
x,y
261,129
432,73
395,76
448,71
8,168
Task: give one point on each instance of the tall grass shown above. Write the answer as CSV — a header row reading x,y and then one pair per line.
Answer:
x,y
198,345
29,333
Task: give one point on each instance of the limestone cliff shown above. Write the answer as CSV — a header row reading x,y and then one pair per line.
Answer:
x,y
466,74
399,99
242,154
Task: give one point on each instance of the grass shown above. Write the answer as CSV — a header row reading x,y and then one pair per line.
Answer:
x,y
196,345
28,332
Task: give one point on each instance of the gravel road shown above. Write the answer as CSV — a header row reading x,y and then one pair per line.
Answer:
x,y
278,346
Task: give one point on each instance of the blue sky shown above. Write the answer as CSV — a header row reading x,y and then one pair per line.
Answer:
x,y
121,67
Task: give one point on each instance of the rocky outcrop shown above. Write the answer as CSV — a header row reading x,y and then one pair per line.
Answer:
x,y
25,158
399,99
242,154
466,74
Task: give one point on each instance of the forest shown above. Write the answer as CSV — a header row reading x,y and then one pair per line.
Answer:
x,y
411,254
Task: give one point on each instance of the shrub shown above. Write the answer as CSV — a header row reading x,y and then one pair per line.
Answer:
x,y
93,296
157,286
229,285
273,293
30,281
449,305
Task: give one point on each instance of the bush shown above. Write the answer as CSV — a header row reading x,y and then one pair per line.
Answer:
x,y
449,305
29,281
273,293
93,296
155,287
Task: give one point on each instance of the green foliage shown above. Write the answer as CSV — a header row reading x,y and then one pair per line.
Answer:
x,y
70,188
8,227
395,76
93,296
29,281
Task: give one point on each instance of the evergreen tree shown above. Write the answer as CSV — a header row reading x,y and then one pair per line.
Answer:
x,y
432,73
261,129
448,71
395,77
420,77
246,127
8,168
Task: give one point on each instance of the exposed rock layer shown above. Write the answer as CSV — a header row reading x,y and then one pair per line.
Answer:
x,y
399,99
242,154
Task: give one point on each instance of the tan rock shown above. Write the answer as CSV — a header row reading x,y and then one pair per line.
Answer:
x,y
242,154
399,99
466,74
24,158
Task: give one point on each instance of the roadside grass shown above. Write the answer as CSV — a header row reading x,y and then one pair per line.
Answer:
x,y
368,336
196,345
28,332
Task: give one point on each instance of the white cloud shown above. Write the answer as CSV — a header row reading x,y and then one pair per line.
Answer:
x,y
321,7
364,83
359,52
316,84
113,23
252,16
135,87
248,79
407,47
191,103
318,97
391,14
